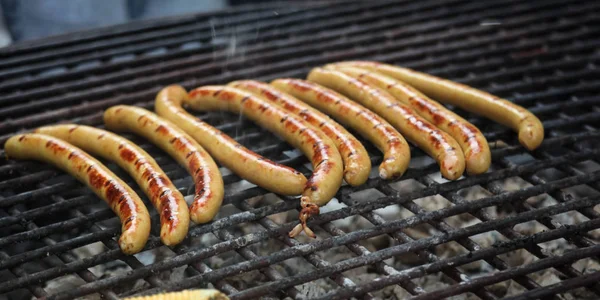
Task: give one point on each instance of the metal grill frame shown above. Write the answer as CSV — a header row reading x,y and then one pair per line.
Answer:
x,y
542,56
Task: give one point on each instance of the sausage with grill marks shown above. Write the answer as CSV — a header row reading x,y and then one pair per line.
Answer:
x,y
263,172
132,212
357,164
326,160
438,144
526,124
168,201
180,146
474,145
396,152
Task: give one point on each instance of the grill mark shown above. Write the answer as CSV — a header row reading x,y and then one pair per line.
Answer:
x,y
125,210
56,147
320,163
114,193
438,118
73,128
127,154
263,107
270,95
195,92
96,179
162,194
436,139
190,153
225,95
162,130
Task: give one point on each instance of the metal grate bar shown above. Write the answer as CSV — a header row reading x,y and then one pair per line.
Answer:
x,y
61,113
500,248
206,31
130,28
314,259
114,231
357,235
404,238
428,242
19,98
252,47
191,35
540,54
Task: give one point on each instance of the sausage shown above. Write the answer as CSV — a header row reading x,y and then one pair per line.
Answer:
x,y
474,145
326,160
438,144
528,126
263,172
168,201
357,164
204,171
135,220
396,152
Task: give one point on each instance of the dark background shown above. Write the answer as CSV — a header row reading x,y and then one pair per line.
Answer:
x,y
29,19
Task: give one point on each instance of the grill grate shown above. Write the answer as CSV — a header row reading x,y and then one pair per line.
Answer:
x,y
418,236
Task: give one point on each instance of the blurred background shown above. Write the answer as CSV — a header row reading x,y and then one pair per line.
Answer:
x,y
30,19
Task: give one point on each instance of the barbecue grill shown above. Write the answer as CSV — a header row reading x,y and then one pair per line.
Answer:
x,y
526,229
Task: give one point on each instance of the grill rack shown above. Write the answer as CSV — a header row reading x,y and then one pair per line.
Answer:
x,y
541,55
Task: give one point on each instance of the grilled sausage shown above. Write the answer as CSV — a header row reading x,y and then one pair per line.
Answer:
x,y
529,127
204,171
474,145
265,173
396,152
168,201
326,160
357,164
438,144
134,216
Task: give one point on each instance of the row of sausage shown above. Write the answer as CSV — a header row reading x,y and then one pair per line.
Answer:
x,y
383,103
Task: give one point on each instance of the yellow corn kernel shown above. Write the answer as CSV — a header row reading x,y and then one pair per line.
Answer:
x,y
185,295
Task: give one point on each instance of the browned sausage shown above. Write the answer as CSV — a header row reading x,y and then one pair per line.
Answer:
x,y
396,152
326,160
357,164
121,198
263,172
529,127
438,144
474,145
165,135
168,201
